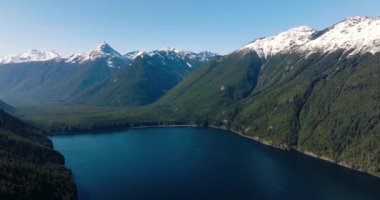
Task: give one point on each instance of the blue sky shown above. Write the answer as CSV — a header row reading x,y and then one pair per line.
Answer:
x,y
73,26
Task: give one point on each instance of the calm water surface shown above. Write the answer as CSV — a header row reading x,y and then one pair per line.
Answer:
x,y
195,163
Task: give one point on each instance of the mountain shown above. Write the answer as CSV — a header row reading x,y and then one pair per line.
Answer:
x,y
133,54
148,77
30,168
49,81
356,35
102,51
304,89
89,78
315,91
30,56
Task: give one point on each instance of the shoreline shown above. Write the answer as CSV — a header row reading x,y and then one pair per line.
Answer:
x,y
327,159
307,153
79,132
256,139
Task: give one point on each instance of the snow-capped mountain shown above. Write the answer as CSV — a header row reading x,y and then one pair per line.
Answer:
x,y
360,34
354,34
116,60
148,77
204,55
173,53
133,54
101,76
189,57
102,50
282,42
29,56
113,58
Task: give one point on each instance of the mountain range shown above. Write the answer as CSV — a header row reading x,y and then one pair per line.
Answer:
x,y
355,35
101,76
315,91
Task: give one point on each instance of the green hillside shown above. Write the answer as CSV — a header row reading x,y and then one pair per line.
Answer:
x,y
30,168
140,81
50,82
325,104
145,80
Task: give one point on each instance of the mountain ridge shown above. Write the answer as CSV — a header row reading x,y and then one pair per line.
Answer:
x,y
102,50
323,102
30,56
355,35
92,77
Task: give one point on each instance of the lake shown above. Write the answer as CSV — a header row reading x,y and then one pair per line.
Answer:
x,y
201,163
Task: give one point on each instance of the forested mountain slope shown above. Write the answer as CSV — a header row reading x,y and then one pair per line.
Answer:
x,y
315,99
100,77
30,168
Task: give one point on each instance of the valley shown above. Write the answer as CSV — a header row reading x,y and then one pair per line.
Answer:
x,y
314,91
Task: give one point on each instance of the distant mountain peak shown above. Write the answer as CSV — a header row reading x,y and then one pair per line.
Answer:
x,y
207,55
113,58
32,55
169,49
102,50
178,54
133,54
105,48
102,44
358,34
361,18
175,50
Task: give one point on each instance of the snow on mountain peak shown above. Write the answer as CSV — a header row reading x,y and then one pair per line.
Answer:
x,y
171,49
206,55
188,56
105,48
284,41
133,54
355,34
175,50
102,50
29,56
102,44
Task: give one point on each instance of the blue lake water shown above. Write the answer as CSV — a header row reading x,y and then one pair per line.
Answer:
x,y
197,163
